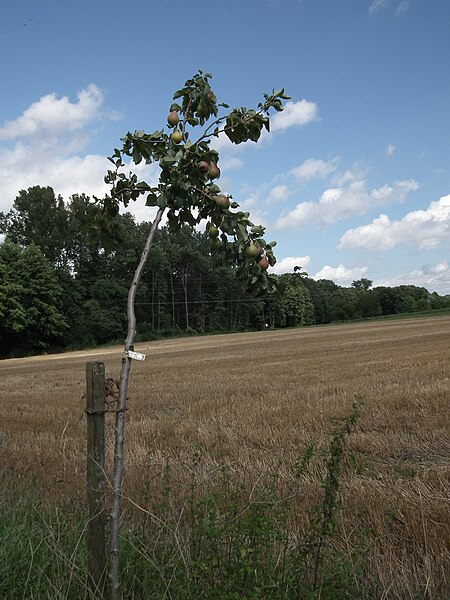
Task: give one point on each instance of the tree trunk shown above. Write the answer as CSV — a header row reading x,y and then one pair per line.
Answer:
x,y
173,299
236,312
153,300
184,279
159,303
114,557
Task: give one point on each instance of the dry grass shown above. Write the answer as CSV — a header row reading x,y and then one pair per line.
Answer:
x,y
256,400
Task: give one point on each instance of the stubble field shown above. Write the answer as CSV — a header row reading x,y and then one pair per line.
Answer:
x,y
254,402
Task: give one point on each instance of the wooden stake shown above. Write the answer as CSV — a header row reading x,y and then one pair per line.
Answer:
x,y
95,410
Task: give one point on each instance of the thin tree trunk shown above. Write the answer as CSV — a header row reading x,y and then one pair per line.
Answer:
x,y
159,303
153,300
173,299
114,558
184,277
236,312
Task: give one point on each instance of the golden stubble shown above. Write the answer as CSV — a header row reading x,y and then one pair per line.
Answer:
x,y
255,401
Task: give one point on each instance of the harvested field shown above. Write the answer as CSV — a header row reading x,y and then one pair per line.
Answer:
x,y
255,401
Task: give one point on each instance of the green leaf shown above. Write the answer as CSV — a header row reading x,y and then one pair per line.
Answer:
x,y
151,200
161,201
167,161
189,218
142,185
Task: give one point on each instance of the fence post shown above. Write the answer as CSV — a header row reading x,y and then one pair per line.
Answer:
x,y
95,411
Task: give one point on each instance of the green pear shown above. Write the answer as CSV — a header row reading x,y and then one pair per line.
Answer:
x,y
176,136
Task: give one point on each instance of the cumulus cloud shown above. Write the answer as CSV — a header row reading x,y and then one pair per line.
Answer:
x,y
287,264
351,198
55,116
435,278
340,274
422,229
313,168
43,146
294,114
278,194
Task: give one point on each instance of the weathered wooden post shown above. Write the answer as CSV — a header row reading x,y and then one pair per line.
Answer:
x,y
95,411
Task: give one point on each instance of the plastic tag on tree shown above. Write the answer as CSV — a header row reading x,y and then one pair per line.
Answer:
x,y
135,355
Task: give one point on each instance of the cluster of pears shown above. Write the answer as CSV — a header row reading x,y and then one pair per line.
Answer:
x,y
173,119
256,253
253,251
212,171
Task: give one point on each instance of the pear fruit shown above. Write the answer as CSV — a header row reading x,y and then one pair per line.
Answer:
x,y
203,166
264,263
252,251
173,119
213,232
214,171
176,136
222,201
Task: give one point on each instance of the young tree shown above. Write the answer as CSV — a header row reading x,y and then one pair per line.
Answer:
x,y
187,193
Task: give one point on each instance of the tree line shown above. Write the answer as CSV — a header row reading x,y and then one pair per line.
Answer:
x,y
60,288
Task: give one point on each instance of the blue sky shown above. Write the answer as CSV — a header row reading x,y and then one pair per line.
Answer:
x,y
354,179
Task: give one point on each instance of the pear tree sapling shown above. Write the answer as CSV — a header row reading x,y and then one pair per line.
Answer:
x,y
186,193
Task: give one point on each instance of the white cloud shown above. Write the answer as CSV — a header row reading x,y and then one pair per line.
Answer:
x,y
422,229
278,194
294,114
356,173
287,264
351,198
376,5
313,168
43,146
432,277
55,116
231,162
340,274
389,150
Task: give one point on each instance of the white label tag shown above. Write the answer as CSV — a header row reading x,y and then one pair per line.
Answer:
x,y
135,355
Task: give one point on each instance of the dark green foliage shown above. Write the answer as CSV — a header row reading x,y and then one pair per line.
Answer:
x,y
295,306
403,299
39,217
30,301
77,291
